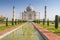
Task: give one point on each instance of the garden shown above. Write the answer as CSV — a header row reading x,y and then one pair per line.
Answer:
x,y
52,26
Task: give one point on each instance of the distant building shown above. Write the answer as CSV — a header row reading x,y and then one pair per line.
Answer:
x,y
30,14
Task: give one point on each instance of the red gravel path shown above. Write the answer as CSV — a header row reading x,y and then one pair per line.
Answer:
x,y
49,35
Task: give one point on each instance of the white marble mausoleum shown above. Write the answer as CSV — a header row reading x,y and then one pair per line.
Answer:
x,y
30,14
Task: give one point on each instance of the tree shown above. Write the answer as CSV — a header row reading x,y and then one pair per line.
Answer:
x,y
56,21
18,21
2,18
43,21
48,22
12,21
15,21
6,21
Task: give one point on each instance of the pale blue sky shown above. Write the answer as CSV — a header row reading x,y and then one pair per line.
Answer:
x,y
53,7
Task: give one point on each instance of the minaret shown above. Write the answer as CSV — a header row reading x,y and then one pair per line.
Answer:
x,y
45,13
14,13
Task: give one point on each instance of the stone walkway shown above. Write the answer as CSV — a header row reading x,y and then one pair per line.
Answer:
x,y
49,35
2,25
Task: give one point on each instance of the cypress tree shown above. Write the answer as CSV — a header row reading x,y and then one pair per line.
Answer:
x,y
15,21
12,21
39,21
48,22
18,21
6,21
56,21
43,21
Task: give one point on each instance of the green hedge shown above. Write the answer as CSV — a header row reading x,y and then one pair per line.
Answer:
x,y
43,21
56,21
6,21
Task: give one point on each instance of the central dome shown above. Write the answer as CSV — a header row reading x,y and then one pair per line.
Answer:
x,y
30,8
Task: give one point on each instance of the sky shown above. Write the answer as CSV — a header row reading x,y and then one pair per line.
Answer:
x,y
53,7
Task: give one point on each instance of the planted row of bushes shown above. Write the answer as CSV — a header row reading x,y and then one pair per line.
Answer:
x,y
55,24
46,22
17,21
37,21
56,21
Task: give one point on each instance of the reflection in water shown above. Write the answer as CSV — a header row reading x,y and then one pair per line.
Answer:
x,y
27,32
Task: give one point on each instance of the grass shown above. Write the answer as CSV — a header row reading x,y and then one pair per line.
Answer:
x,y
51,28
2,22
9,26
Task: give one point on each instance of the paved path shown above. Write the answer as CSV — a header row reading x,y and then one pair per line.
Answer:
x,y
49,35
2,25
26,32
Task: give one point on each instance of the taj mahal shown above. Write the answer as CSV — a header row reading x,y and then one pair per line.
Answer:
x,y
30,14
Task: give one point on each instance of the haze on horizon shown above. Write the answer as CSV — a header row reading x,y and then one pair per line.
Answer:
x,y
53,7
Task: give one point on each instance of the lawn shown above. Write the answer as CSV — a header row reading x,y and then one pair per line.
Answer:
x,y
9,26
51,28
2,22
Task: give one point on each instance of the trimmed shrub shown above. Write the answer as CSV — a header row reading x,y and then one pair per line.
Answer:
x,y
18,21
39,21
12,21
15,21
36,21
48,22
56,21
43,21
6,21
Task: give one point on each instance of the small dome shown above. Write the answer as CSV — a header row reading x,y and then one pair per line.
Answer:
x,y
30,8
24,11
